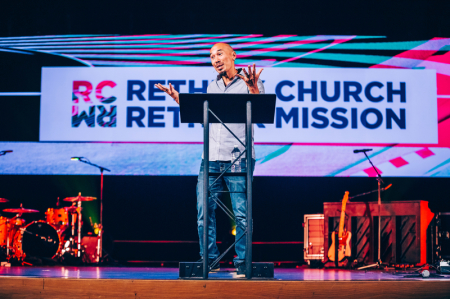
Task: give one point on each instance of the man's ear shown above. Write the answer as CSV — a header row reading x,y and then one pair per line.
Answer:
x,y
234,55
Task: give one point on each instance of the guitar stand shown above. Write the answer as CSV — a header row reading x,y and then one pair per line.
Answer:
x,y
336,263
336,249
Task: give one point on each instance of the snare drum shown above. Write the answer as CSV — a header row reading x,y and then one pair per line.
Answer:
x,y
37,239
57,216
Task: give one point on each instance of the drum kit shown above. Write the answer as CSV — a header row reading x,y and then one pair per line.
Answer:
x,y
56,237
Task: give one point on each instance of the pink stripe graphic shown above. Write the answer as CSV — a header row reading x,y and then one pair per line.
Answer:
x,y
124,62
371,172
398,162
425,153
335,42
413,57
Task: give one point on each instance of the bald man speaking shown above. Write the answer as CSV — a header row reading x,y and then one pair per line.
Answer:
x,y
221,144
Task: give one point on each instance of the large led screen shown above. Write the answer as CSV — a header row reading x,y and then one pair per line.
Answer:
x,y
334,94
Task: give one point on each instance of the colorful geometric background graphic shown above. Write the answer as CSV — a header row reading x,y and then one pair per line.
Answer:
x,y
164,50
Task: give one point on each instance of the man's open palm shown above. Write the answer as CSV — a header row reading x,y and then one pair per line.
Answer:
x,y
251,78
170,91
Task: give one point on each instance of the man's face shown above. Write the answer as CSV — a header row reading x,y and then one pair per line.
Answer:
x,y
222,58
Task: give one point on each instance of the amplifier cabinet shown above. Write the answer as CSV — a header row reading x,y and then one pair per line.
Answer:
x,y
313,237
441,236
404,230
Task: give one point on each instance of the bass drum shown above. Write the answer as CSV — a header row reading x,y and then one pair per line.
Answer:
x,y
37,239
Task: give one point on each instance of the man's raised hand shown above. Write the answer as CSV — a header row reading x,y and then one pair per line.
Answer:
x,y
170,91
251,78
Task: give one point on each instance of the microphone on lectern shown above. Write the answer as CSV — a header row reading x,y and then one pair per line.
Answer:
x,y
362,150
76,158
2,153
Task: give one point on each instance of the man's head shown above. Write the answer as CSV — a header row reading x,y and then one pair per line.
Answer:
x,y
222,58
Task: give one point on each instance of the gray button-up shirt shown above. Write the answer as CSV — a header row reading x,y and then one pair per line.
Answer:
x,y
221,142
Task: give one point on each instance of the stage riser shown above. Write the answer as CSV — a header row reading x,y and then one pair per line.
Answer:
x,y
111,288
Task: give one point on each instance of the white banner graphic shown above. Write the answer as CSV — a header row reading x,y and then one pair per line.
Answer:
x,y
314,105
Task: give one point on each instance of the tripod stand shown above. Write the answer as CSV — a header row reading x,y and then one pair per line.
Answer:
x,y
378,264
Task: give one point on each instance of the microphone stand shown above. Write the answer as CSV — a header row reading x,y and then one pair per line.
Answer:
x,y
2,153
379,180
100,232
366,193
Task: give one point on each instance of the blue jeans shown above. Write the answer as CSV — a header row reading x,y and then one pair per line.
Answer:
x,y
238,201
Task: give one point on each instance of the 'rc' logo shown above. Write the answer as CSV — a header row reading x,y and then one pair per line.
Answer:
x,y
82,91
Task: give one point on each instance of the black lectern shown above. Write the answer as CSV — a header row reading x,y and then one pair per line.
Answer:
x,y
227,108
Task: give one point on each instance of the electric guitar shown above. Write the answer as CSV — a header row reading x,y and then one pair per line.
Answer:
x,y
344,248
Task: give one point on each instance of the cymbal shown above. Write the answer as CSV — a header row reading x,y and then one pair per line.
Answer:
x,y
4,200
20,211
80,198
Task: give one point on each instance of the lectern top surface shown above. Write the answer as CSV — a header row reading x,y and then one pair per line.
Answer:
x,y
230,108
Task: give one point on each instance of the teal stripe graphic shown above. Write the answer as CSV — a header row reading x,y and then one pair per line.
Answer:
x,y
299,64
402,46
276,153
334,173
436,167
369,59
